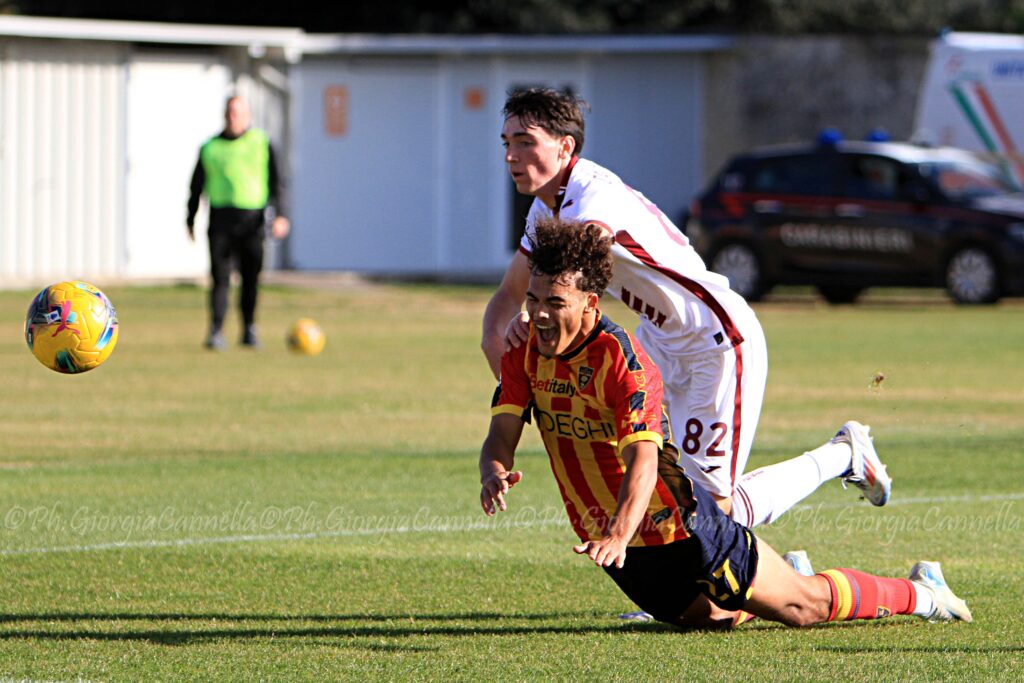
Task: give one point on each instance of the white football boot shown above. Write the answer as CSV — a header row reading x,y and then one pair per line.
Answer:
x,y
866,471
637,616
948,607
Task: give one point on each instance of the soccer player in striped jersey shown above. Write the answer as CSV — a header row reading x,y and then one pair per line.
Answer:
x,y
705,339
596,399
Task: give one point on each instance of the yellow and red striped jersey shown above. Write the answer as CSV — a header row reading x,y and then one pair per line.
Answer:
x,y
589,404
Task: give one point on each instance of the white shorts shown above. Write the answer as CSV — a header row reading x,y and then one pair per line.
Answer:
x,y
714,403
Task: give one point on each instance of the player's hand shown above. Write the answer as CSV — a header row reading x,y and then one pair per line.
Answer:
x,y
191,233
280,227
494,488
518,331
604,552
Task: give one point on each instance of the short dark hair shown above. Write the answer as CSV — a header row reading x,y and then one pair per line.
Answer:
x,y
559,113
562,247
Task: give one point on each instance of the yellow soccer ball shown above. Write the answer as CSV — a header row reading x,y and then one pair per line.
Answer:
x,y
306,337
71,327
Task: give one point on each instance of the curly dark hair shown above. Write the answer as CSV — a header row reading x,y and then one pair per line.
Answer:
x,y
559,113
577,249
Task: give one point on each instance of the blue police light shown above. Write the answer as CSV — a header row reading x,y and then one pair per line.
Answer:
x,y
878,134
828,137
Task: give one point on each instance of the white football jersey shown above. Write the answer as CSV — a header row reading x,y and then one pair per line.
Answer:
x,y
687,309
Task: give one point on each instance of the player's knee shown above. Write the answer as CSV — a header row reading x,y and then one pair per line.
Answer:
x,y
691,619
700,614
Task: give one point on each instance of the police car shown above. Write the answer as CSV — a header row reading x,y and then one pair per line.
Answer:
x,y
848,215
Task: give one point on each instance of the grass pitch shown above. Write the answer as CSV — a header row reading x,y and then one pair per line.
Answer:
x,y
179,514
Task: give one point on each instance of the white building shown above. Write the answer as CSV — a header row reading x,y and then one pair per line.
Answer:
x,y
100,128
398,167
390,143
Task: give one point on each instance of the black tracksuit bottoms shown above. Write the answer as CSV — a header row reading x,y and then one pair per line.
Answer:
x,y
236,239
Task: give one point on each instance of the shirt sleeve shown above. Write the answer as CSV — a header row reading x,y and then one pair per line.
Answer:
x,y
513,395
195,192
278,190
638,397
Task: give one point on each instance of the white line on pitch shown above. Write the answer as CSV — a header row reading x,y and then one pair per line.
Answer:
x,y
924,501
270,538
263,538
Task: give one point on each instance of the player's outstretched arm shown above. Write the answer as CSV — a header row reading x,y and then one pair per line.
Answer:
x,y
505,304
497,457
641,458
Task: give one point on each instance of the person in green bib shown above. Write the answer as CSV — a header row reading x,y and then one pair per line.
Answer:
x,y
238,173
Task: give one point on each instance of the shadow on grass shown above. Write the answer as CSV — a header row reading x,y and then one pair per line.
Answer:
x,y
219,616
370,626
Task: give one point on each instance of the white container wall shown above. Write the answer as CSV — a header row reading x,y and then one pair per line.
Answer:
x,y
389,144
100,127
175,103
62,130
398,161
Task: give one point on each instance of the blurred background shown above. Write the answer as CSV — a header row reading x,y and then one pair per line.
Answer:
x,y
387,114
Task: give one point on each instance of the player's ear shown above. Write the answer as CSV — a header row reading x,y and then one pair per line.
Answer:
x,y
592,301
568,146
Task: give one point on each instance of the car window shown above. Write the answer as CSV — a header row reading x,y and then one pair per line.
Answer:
x,y
807,174
963,181
870,177
732,181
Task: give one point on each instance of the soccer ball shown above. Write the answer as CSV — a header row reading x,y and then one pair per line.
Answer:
x,y
306,337
71,327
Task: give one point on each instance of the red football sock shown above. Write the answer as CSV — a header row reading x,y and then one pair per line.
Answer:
x,y
856,595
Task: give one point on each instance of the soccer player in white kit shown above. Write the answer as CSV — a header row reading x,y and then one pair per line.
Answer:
x,y
704,338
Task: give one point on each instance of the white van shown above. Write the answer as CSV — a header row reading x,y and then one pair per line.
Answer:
x,y
972,97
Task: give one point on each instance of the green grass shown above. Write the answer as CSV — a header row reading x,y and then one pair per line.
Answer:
x,y
185,515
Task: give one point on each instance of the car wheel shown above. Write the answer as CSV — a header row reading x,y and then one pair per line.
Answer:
x,y
740,264
840,294
972,277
